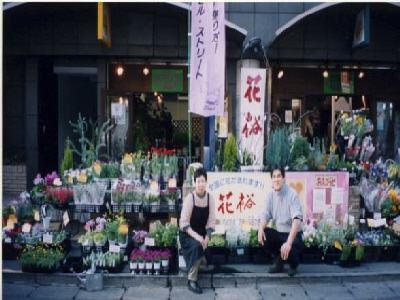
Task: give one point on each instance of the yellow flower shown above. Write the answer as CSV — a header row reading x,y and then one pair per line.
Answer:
x,y
332,148
359,120
128,158
82,177
392,194
97,168
337,245
123,229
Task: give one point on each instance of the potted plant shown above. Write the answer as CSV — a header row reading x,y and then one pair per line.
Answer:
x,y
300,150
139,239
152,199
8,211
148,261
135,257
171,195
112,231
231,155
37,192
123,230
246,161
41,258
278,147
99,238
165,255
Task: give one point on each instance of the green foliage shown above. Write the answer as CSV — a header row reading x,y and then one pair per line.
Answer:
x,y
217,240
231,155
254,238
68,158
110,170
164,236
317,154
8,210
300,148
247,159
90,146
278,147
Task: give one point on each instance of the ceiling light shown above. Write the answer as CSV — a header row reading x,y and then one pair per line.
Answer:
x,y
146,70
280,74
325,73
361,74
120,70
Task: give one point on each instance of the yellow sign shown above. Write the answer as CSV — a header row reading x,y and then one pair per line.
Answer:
x,y
104,24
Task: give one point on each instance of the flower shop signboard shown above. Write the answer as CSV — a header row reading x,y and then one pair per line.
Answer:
x,y
252,86
240,196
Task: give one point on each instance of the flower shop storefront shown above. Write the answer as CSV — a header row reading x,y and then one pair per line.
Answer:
x,y
112,238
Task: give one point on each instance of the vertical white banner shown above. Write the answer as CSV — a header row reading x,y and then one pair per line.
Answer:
x,y
207,59
252,116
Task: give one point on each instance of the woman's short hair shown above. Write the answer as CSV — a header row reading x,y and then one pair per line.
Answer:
x,y
200,172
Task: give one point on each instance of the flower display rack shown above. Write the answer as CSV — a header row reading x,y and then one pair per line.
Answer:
x,y
259,256
129,208
217,255
238,255
162,207
87,208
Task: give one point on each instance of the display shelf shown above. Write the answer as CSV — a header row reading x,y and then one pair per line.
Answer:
x,y
127,207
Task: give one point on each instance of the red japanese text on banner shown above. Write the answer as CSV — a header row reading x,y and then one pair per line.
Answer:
x,y
253,86
207,59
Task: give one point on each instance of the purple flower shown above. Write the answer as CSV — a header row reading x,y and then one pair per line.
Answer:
x,y
50,178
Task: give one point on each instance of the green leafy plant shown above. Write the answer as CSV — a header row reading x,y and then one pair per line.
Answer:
x,y
278,147
300,148
217,240
247,159
231,155
8,210
90,145
254,238
164,235
68,158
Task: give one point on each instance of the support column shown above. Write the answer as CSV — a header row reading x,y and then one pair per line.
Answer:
x,y
32,120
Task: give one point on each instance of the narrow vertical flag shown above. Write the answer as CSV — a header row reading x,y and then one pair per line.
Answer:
x,y
207,59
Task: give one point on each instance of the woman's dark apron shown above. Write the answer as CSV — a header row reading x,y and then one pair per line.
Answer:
x,y
192,249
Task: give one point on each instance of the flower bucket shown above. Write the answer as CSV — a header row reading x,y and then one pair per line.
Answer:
x,y
46,223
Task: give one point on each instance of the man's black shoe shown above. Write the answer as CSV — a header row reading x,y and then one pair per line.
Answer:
x,y
292,271
277,267
194,287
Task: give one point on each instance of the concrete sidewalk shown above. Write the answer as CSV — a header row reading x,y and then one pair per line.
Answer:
x,y
241,281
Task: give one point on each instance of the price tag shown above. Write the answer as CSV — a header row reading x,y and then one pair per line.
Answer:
x,y
149,241
377,215
48,238
125,258
240,251
152,227
26,227
114,248
36,215
65,218
174,221
10,224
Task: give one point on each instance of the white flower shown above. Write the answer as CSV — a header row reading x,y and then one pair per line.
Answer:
x,y
57,182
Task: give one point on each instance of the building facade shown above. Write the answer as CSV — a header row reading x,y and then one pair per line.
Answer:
x,y
55,67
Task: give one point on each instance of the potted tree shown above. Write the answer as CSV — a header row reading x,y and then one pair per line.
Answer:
x,y
231,155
